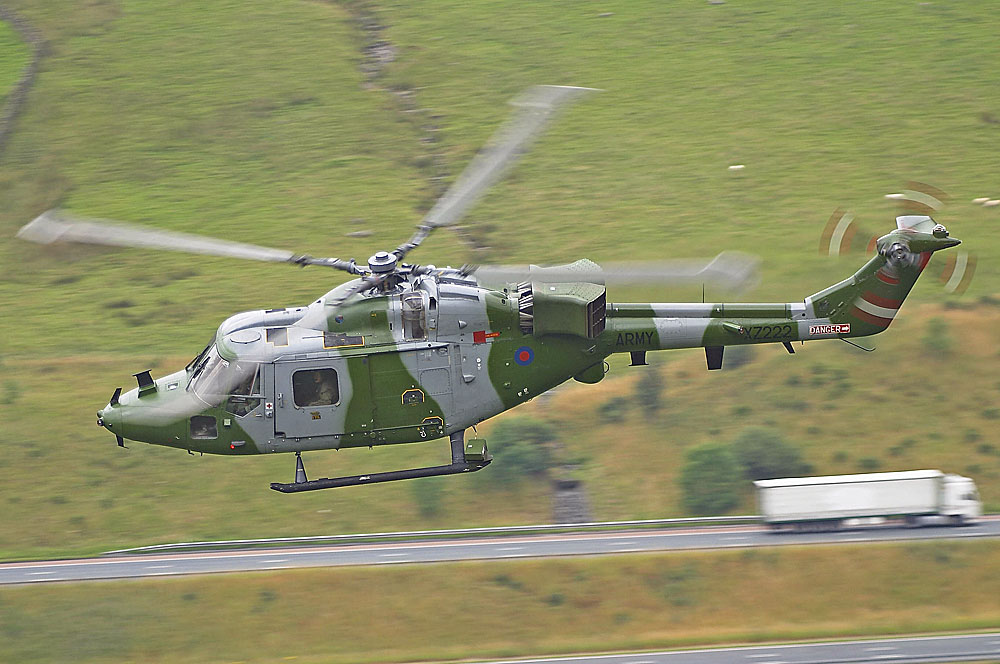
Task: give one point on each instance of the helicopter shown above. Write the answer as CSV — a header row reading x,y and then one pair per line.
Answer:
x,y
409,353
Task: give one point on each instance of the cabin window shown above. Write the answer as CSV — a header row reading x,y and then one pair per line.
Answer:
x,y
315,387
413,316
204,427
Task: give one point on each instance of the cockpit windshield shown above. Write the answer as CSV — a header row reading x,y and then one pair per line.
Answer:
x,y
214,378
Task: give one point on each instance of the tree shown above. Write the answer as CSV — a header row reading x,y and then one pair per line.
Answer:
x,y
710,479
649,389
521,446
763,454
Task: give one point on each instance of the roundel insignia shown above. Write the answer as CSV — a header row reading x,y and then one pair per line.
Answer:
x,y
524,356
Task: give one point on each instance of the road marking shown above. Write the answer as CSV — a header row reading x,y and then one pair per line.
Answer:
x,y
511,548
616,543
761,655
733,539
276,560
279,567
627,550
514,555
392,555
36,573
158,566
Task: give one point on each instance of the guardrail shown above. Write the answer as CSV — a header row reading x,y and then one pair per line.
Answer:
x,y
457,533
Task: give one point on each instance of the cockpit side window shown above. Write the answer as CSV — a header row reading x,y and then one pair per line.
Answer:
x,y
214,378
246,395
413,313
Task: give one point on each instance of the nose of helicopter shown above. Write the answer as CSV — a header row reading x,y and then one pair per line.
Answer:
x,y
111,418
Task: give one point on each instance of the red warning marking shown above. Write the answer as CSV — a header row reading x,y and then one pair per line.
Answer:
x,y
886,278
480,336
870,318
882,301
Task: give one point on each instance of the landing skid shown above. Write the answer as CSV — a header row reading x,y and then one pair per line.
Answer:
x,y
463,460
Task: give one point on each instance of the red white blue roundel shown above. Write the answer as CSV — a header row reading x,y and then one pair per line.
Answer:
x,y
524,356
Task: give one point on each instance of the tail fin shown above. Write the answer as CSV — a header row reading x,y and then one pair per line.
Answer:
x,y
869,300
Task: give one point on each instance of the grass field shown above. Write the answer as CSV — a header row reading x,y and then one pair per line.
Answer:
x,y
250,121
13,58
504,608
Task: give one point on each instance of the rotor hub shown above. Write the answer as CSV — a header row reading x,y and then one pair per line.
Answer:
x,y
382,262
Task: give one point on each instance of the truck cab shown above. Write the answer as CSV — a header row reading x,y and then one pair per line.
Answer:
x,y
960,500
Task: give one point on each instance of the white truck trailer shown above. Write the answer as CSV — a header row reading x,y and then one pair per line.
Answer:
x,y
825,503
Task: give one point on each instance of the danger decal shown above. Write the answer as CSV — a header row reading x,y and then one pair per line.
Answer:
x,y
843,328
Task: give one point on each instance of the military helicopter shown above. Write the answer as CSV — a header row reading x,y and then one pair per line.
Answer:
x,y
410,353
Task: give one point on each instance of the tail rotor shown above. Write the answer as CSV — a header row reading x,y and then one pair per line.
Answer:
x,y
844,235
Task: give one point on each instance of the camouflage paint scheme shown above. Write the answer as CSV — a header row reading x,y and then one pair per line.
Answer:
x,y
444,352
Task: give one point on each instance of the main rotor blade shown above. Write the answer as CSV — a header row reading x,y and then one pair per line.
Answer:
x,y
536,109
58,226
730,269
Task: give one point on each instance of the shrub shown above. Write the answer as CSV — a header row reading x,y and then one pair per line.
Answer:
x,y
427,494
763,454
710,479
522,446
869,463
614,409
649,389
936,337
737,356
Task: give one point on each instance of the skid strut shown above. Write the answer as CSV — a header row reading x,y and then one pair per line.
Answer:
x,y
460,463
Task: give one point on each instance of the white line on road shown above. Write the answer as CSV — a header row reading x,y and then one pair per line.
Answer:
x,y
158,566
276,560
511,548
35,573
878,649
392,555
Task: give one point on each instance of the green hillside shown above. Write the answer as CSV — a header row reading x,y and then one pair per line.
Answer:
x,y
255,121
13,58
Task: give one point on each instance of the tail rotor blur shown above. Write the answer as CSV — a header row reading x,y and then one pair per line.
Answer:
x,y
844,235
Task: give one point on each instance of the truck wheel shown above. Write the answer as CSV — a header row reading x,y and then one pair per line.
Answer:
x,y
958,520
911,521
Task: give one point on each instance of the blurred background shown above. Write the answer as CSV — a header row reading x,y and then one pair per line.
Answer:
x,y
330,128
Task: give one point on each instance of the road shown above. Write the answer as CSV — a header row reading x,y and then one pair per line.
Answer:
x,y
965,648
564,544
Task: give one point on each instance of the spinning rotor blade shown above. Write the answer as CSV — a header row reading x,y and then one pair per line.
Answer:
x,y
536,108
916,205
732,270
58,226
920,198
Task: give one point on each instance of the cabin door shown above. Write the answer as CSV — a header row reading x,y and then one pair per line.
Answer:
x,y
322,397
